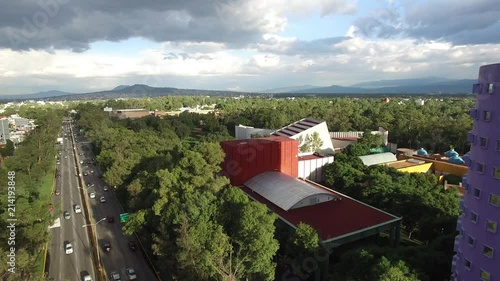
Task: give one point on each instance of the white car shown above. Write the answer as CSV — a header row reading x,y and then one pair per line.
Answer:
x,y
115,276
78,209
67,215
69,248
92,195
87,278
105,188
131,274
102,199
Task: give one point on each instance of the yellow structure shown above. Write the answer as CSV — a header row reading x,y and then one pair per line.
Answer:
x,y
420,164
410,166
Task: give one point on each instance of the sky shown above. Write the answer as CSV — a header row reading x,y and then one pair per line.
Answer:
x,y
244,45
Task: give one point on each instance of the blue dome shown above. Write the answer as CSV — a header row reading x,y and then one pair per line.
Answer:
x,y
450,153
456,160
422,152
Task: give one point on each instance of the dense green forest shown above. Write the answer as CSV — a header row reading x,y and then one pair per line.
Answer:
x,y
31,171
441,122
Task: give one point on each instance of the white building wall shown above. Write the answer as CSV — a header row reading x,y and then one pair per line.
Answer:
x,y
322,130
359,134
245,132
313,169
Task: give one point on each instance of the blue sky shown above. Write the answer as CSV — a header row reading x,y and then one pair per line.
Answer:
x,y
246,45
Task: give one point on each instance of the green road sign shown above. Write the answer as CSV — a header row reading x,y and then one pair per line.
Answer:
x,y
123,217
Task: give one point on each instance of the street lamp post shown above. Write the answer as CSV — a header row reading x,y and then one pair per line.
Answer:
x,y
96,244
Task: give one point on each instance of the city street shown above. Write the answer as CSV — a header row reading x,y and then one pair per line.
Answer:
x,y
72,266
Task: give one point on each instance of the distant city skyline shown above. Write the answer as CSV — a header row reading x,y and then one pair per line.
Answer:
x,y
245,45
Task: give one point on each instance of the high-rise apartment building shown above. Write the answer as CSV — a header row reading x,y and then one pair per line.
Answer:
x,y
477,245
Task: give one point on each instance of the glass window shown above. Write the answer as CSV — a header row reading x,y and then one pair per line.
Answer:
x,y
480,168
494,200
485,276
477,192
470,240
473,217
496,173
483,141
491,226
487,115
490,88
487,251
467,264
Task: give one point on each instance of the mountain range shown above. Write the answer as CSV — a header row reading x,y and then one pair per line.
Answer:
x,y
427,85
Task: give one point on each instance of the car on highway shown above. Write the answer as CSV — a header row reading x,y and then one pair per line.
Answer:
x,y
57,192
92,171
131,274
67,215
115,276
110,219
65,156
81,162
87,278
102,199
105,188
78,209
131,245
68,248
90,184
92,195
85,174
106,246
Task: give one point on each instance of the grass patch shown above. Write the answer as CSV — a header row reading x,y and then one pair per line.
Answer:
x,y
46,188
40,263
45,195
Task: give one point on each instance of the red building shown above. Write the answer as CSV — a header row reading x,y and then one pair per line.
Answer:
x,y
248,158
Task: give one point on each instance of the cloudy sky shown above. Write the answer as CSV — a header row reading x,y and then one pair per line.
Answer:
x,y
247,45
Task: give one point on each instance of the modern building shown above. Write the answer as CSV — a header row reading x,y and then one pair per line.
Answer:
x,y
266,169
477,245
313,136
4,130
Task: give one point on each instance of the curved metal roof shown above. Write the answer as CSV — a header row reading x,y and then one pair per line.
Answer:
x,y
283,190
379,158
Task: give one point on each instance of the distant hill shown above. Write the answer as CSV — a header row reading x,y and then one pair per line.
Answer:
x,y
288,89
39,95
403,86
117,88
429,85
403,82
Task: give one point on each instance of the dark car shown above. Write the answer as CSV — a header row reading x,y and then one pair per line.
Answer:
x,y
106,246
110,219
131,245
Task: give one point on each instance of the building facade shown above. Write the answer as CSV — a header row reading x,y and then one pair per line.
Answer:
x,y
477,245
4,130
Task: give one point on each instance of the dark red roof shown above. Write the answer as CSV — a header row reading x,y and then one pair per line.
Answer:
x,y
258,140
332,218
310,157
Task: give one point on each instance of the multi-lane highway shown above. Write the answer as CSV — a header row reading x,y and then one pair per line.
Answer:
x,y
76,265
77,171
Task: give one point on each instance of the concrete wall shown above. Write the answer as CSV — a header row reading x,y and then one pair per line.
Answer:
x,y
313,169
245,132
